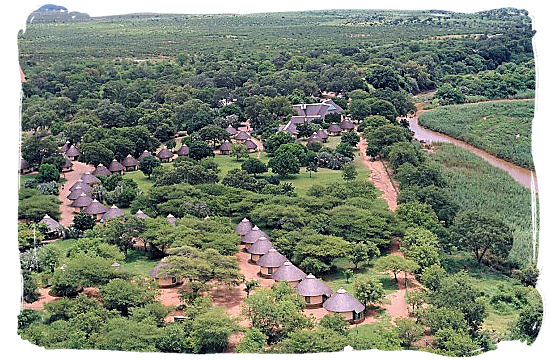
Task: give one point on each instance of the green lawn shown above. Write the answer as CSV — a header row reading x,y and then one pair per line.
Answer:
x,y
138,264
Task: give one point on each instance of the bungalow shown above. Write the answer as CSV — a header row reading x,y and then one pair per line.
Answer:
x,y
54,229
183,150
242,136
259,248
81,202
270,262
163,277
334,130
68,165
347,125
96,209
171,219
231,130
346,305
250,145
24,167
313,138
165,155
75,193
225,148
243,227
81,184
289,273
130,163
72,153
144,154
141,215
112,213
101,170
115,167
321,134
314,291
252,236
90,179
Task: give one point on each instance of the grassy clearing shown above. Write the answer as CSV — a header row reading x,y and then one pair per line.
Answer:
x,y
138,264
476,185
491,126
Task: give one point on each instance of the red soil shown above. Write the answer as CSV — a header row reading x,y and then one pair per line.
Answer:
x,y
67,211
44,298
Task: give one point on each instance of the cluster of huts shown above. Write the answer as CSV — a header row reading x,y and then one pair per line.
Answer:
x,y
237,136
276,266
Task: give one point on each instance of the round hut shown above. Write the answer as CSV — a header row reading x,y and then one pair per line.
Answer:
x,y
96,209
259,248
321,134
334,130
144,154
225,148
231,130
270,262
115,167
165,155
313,290
345,304
313,138
24,167
183,150
162,275
68,165
252,236
72,153
250,145
80,183
289,273
130,163
90,179
242,136
243,227
171,219
66,146
141,215
81,202
347,125
112,213
101,170
75,194
53,227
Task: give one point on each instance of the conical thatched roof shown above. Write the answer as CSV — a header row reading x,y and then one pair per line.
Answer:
x,y
90,179
50,223
66,146
23,165
76,192
141,215
171,219
347,125
164,153
226,146
231,130
115,166
342,301
334,128
155,271
82,201
112,213
72,151
96,208
260,247
311,286
68,162
288,272
144,154
101,170
77,183
183,150
129,160
272,259
242,135
253,235
321,134
250,144
243,227
313,138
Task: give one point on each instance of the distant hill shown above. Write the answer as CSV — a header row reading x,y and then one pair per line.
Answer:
x,y
51,13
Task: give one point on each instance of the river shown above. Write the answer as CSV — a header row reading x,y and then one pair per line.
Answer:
x,y
521,175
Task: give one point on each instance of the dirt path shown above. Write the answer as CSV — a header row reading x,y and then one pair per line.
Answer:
x,y
65,208
379,177
44,298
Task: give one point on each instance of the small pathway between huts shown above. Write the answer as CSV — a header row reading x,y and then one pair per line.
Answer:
x,y
256,141
79,169
379,176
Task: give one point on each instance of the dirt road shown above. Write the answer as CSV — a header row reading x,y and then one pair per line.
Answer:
x,y
65,208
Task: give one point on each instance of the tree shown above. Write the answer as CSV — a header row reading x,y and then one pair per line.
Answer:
x,y
253,342
121,295
449,95
37,147
30,292
83,222
239,151
210,331
396,264
318,340
47,172
456,342
380,139
422,246
284,163
334,322
148,164
33,205
408,331
250,285
96,153
528,325
349,172
312,166
442,318
482,233
274,141
351,138
404,152
431,276
254,166
199,150
345,149
363,253
368,290
213,134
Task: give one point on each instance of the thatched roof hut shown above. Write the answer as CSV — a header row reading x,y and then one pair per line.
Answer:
x,y
141,215
183,150
334,129
101,170
347,125
76,192
115,167
344,303
68,165
96,208
231,130
270,262
242,136
23,166
130,163
314,138
243,227
321,134
112,213
163,276
171,219
144,154
289,273
252,236
90,179
82,201
52,224
72,153
250,145
165,155
66,146
259,248
225,148
314,291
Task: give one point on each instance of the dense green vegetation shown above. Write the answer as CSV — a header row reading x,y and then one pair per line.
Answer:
x,y
501,128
